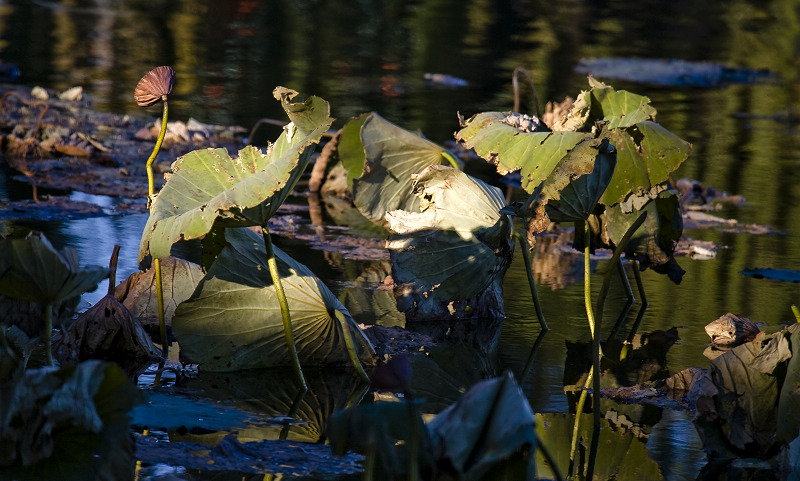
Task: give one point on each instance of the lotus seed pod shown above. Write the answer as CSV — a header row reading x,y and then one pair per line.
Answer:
x,y
154,86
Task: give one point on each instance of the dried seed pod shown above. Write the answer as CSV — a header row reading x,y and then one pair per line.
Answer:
x,y
154,86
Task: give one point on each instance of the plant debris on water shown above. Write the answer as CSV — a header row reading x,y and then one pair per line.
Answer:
x,y
434,244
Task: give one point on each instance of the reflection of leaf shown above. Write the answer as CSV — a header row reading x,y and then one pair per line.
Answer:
x,y
370,301
458,247
788,421
208,185
37,272
391,154
233,320
621,456
81,421
489,424
787,275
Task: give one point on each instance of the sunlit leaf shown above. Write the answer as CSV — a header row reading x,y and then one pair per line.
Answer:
x,y
390,154
534,154
233,320
208,185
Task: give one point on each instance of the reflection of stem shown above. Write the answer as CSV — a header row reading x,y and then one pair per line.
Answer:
x,y
593,448
162,322
48,332
625,282
351,346
413,445
450,159
532,355
292,413
577,424
550,460
287,321
534,293
515,86
639,316
638,275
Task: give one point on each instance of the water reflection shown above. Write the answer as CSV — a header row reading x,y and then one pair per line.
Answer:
x,y
372,56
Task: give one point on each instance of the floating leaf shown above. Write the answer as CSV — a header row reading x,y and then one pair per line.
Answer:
x,y
233,320
208,185
390,154
457,248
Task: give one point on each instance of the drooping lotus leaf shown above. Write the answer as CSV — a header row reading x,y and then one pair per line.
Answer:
x,y
386,430
35,271
456,248
490,424
208,185
573,188
646,152
233,320
81,419
534,154
653,244
381,164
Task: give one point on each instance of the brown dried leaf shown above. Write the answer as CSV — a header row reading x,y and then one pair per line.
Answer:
x,y
154,86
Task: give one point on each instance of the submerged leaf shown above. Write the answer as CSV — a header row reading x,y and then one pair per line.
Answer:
x,y
233,320
208,185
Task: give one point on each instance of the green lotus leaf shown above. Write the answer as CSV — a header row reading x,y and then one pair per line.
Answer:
x,y
572,190
458,247
620,109
391,154
208,185
653,244
233,320
35,271
534,154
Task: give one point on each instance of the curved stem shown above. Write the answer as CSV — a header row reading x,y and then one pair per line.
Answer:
x,y
162,322
578,412
48,332
515,85
452,160
351,346
532,283
287,321
626,284
587,291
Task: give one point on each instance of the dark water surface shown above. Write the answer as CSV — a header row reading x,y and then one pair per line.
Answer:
x,y
363,56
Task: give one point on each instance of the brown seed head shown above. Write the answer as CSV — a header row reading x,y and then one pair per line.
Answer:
x,y
154,86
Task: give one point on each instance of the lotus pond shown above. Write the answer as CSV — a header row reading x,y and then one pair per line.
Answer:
x,y
726,81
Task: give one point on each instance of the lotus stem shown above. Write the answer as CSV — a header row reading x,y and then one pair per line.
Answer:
x,y
515,86
48,332
452,160
413,444
625,282
532,283
587,291
351,346
637,273
578,412
287,320
796,312
162,322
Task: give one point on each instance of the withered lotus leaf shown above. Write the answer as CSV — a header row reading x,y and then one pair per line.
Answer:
x,y
154,86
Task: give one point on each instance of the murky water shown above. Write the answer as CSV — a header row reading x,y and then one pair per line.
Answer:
x,y
363,56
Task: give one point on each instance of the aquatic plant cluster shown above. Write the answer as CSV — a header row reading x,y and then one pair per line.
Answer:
x,y
603,165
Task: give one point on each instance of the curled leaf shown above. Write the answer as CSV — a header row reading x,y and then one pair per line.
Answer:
x,y
154,86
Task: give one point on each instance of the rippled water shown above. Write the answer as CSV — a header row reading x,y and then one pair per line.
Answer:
x,y
364,56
